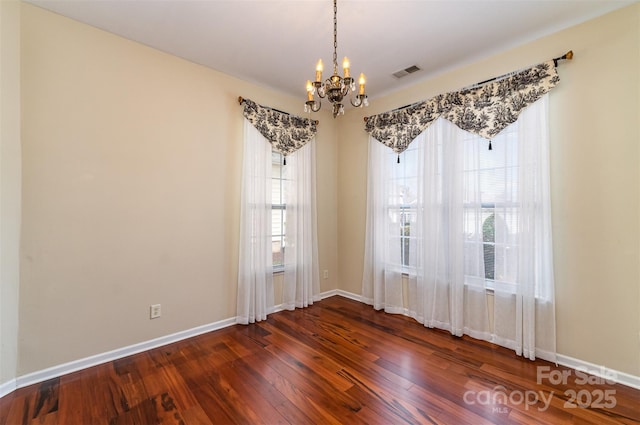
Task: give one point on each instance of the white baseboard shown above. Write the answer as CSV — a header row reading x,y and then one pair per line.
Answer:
x,y
600,371
7,388
341,293
73,366
76,365
328,294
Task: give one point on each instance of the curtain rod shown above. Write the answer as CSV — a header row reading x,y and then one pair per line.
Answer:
x,y
566,56
241,100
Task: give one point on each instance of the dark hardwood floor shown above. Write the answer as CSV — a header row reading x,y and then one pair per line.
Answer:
x,y
337,362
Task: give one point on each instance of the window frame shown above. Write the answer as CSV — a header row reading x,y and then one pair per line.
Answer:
x,y
403,210
491,207
494,207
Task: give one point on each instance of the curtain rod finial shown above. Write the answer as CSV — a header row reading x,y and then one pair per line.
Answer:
x,y
566,56
240,100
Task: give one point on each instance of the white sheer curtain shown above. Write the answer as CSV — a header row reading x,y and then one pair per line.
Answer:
x,y
525,312
301,273
382,275
459,237
255,265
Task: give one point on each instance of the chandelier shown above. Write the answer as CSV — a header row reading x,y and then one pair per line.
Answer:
x,y
335,88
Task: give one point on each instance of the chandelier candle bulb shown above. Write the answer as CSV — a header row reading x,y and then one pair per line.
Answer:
x,y
319,68
346,67
309,90
361,81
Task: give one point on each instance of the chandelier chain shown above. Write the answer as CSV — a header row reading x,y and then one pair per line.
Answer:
x,y
335,36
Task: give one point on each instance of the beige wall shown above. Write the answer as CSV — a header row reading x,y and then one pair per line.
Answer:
x,y
131,179
131,189
9,186
594,176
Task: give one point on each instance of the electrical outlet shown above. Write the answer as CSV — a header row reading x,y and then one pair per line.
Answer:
x,y
325,274
155,311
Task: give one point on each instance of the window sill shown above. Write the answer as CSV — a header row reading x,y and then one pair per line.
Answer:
x,y
489,288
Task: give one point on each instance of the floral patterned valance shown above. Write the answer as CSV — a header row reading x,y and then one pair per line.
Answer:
x,y
485,110
286,133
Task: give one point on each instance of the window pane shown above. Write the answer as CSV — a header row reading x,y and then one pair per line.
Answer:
x,y
276,222
278,211
278,251
408,219
276,191
276,178
489,239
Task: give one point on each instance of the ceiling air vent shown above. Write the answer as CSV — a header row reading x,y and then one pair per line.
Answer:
x,y
406,71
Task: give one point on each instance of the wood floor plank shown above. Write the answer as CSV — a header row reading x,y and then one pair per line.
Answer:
x,y
313,386
168,380
278,375
17,409
336,362
228,399
213,407
247,400
309,356
71,389
249,371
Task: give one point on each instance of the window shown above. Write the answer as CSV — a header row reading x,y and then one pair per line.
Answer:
x,y
402,203
278,211
482,224
491,206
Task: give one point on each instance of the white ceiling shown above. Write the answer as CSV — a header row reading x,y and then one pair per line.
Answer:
x,y
277,43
